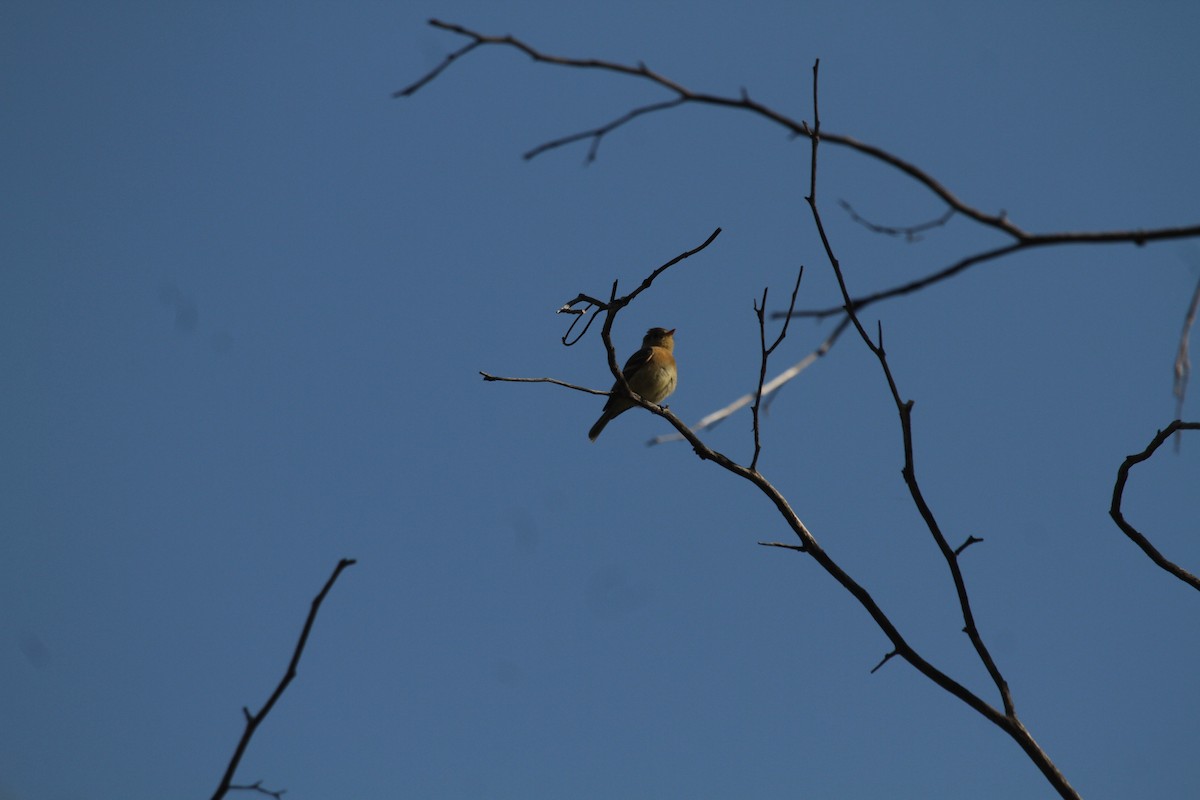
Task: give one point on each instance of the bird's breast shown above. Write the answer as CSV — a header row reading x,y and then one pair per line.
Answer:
x,y
660,382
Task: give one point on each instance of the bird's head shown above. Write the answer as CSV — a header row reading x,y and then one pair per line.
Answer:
x,y
659,337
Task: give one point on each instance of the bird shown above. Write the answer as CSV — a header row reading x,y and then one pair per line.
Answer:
x,y
650,373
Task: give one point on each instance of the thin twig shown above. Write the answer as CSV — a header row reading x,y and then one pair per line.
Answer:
x,y
254,720
489,377
892,654
969,541
649,279
799,548
446,62
258,787
911,233
596,134
1118,517
615,304
759,311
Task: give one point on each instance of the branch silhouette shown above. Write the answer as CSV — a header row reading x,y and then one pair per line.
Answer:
x,y
765,351
1008,720
1005,716
254,720
680,95
1118,516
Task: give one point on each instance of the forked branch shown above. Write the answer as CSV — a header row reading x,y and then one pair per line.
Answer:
x,y
1007,722
680,95
765,353
254,720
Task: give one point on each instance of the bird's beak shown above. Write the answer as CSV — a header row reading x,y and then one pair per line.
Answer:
x,y
671,332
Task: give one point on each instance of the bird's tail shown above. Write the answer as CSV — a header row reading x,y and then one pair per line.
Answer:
x,y
599,426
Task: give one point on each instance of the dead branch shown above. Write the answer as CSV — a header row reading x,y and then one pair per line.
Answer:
x,y
1025,242
682,96
258,787
911,233
489,377
1118,516
1008,721
254,720
765,353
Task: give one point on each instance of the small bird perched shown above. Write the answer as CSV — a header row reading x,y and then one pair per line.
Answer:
x,y
650,373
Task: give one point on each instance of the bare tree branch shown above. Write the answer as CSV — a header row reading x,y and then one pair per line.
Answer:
x,y
1027,242
808,542
890,655
682,95
911,233
258,787
555,381
446,62
1008,721
759,311
254,720
1021,240
969,541
799,548
596,134
1118,517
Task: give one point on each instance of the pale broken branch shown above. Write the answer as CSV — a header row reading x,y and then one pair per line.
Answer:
x,y
1183,362
768,390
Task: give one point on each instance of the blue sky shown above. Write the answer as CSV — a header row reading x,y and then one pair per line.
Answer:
x,y
245,296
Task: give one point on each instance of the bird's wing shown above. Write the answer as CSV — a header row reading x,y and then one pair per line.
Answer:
x,y
636,362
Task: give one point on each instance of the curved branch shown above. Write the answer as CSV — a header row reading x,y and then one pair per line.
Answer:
x,y
911,233
744,102
859,303
1118,517
596,134
683,95
1030,242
